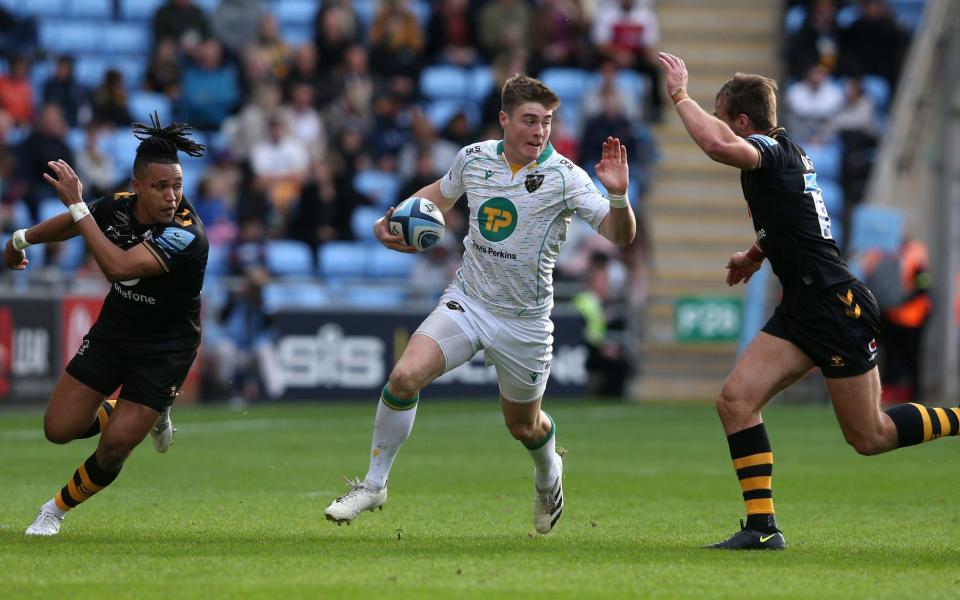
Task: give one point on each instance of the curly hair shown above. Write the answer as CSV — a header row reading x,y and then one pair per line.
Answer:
x,y
160,144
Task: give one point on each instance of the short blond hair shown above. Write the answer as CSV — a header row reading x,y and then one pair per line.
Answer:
x,y
751,95
520,89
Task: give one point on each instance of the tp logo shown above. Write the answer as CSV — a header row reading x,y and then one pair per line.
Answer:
x,y
497,218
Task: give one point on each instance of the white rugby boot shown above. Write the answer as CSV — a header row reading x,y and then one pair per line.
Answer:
x,y
162,432
48,520
548,503
361,497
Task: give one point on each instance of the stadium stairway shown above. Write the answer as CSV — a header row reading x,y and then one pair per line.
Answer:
x,y
696,211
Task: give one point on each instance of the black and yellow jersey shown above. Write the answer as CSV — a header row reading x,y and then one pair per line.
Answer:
x,y
160,312
790,219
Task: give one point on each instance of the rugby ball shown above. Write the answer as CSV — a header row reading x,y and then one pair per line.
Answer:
x,y
419,221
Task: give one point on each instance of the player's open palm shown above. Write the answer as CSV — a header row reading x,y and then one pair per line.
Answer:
x,y
741,268
13,258
674,70
381,229
67,184
612,170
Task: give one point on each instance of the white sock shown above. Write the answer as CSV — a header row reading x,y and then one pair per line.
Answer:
x,y
391,428
51,506
545,459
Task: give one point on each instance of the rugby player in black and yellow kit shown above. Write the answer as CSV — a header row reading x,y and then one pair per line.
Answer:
x,y
151,246
827,318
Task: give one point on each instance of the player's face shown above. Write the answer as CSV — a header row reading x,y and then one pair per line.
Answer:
x,y
526,131
158,192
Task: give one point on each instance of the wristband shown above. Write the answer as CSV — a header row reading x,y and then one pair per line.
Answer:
x,y
755,254
682,100
79,210
677,91
618,200
19,240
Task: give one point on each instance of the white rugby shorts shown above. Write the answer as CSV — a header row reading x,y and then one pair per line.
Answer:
x,y
520,349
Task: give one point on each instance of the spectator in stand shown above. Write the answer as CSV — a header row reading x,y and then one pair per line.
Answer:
x,y
214,210
560,35
353,148
304,121
18,35
63,90
16,95
97,170
816,42
354,87
236,22
164,74
812,103
336,28
424,170
12,189
858,114
593,98
628,32
459,131
276,51
607,363
874,44
45,143
610,122
392,127
504,67
280,164
326,205
249,249
505,28
396,41
304,70
451,34
424,138
256,73
252,123
109,100
183,22
856,124
211,88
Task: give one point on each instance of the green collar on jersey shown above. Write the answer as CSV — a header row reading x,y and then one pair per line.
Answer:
x,y
547,152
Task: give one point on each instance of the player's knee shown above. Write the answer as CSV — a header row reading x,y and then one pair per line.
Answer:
x,y
521,430
866,445
57,433
404,382
729,404
112,452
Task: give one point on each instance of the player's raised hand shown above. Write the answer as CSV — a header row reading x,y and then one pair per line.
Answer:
x,y
612,170
675,71
740,268
67,185
13,258
381,229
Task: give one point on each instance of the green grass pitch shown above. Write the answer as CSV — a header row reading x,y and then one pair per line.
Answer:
x,y
235,509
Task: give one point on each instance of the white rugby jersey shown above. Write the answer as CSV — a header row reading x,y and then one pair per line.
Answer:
x,y
517,224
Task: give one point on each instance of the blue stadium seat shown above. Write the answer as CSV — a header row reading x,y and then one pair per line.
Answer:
x,y
289,257
126,38
384,263
381,186
343,260
366,11
567,83
296,35
282,295
631,83
794,18
847,15
444,82
193,171
121,146
90,69
878,89
20,216
909,12
482,82
42,8
139,9
70,37
40,72
76,139
217,260
420,8
362,220
439,112
875,227
50,207
368,296
142,104
97,9
826,159
73,253
295,12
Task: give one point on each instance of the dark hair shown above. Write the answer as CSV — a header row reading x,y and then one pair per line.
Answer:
x,y
160,144
751,95
520,89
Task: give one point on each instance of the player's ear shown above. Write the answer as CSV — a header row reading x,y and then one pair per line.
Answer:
x,y
135,184
503,119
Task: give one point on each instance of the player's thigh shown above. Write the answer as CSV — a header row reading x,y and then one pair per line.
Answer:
x,y
515,413
72,408
522,353
767,366
445,340
856,402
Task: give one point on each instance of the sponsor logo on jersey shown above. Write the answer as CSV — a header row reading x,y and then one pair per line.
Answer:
x,y
454,305
533,182
497,219
174,240
487,174
872,349
133,296
472,150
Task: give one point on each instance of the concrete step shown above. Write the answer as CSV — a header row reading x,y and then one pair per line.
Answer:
x,y
676,19
654,388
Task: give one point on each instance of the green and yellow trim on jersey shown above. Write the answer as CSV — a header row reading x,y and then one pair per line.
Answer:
x,y
544,156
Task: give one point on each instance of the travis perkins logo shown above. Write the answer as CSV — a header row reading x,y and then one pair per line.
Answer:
x,y
533,182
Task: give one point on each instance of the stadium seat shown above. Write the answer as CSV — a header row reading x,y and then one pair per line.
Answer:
x,y
362,220
296,35
877,89
289,257
444,82
42,8
909,12
482,82
794,18
343,260
369,296
876,227
90,69
366,11
380,186
97,9
569,84
72,254
282,295
826,159
295,12
139,9
126,38
20,216
50,207
420,8
439,112
193,172
384,263
142,104
631,83
121,146
70,37
847,15
217,260
76,139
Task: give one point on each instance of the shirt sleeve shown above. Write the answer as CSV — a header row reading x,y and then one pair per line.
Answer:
x,y
771,153
100,209
178,247
451,186
584,197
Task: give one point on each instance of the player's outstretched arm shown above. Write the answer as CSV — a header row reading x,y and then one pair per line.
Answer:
x,y
116,264
55,229
713,136
613,171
